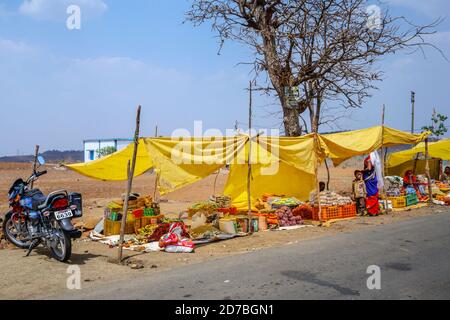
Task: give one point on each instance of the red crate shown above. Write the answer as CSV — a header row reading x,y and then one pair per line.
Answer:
x,y
335,212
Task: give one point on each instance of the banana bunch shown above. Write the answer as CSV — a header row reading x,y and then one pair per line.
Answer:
x,y
115,205
148,230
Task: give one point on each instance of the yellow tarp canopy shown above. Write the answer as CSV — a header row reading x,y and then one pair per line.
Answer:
x,y
345,145
114,166
437,150
280,165
183,161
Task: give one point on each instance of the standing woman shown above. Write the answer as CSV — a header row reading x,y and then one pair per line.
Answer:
x,y
371,181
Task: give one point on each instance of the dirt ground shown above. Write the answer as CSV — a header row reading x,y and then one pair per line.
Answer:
x,y
39,276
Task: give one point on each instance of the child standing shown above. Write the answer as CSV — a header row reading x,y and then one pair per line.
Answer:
x,y
359,193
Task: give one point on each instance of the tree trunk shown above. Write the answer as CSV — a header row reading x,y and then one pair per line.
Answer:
x,y
291,122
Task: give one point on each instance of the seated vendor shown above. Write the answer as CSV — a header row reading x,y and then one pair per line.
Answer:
x,y
410,181
313,194
445,176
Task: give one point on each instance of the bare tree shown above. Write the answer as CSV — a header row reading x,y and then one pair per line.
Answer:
x,y
325,49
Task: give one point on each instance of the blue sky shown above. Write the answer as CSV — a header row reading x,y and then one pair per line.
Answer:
x,y
60,86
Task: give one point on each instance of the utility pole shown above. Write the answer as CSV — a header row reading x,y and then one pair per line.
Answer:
x,y
413,101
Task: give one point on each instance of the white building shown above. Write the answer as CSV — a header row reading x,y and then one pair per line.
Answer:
x,y
91,147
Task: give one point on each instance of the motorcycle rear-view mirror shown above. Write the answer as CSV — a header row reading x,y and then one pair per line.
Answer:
x,y
41,160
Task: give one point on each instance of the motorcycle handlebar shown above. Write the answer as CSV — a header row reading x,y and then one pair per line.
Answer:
x,y
38,174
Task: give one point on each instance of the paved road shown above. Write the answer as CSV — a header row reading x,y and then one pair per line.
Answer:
x,y
414,257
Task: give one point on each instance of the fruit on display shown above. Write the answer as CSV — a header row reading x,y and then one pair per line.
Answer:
x,y
204,206
281,202
304,210
148,230
286,218
330,198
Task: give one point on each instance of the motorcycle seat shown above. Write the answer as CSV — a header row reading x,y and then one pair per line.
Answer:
x,y
37,198
47,199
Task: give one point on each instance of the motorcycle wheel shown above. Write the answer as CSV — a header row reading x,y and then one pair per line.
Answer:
x,y
63,248
12,234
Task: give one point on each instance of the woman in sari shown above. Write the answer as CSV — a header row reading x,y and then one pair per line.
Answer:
x,y
371,181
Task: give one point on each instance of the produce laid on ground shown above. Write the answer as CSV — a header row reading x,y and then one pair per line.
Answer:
x,y
393,186
286,218
333,206
400,196
304,210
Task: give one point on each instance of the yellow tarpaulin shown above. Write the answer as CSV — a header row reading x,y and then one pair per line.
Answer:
x,y
438,150
183,161
344,145
279,165
114,166
289,181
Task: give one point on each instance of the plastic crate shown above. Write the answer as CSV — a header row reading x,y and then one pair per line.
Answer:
x,y
112,228
398,202
348,211
145,221
335,212
412,199
328,213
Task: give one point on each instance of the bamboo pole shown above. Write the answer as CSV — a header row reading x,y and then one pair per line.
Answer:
x,y
427,172
413,101
328,175
249,173
130,174
36,154
155,170
383,157
316,152
215,183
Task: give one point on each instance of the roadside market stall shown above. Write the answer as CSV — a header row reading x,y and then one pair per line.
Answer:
x,y
414,160
276,175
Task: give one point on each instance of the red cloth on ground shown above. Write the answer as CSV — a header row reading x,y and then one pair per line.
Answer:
x,y
373,207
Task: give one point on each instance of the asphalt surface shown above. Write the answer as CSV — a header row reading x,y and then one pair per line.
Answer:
x,y
413,257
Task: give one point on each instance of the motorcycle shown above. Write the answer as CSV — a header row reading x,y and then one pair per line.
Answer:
x,y
38,219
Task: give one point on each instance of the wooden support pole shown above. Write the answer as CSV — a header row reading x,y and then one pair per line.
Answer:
x,y
413,102
249,173
215,183
156,171
328,175
427,172
36,154
316,152
383,157
130,174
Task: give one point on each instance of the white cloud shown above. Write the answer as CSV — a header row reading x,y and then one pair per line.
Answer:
x,y
9,46
56,9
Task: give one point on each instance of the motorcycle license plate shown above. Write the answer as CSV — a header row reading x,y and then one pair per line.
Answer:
x,y
60,215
